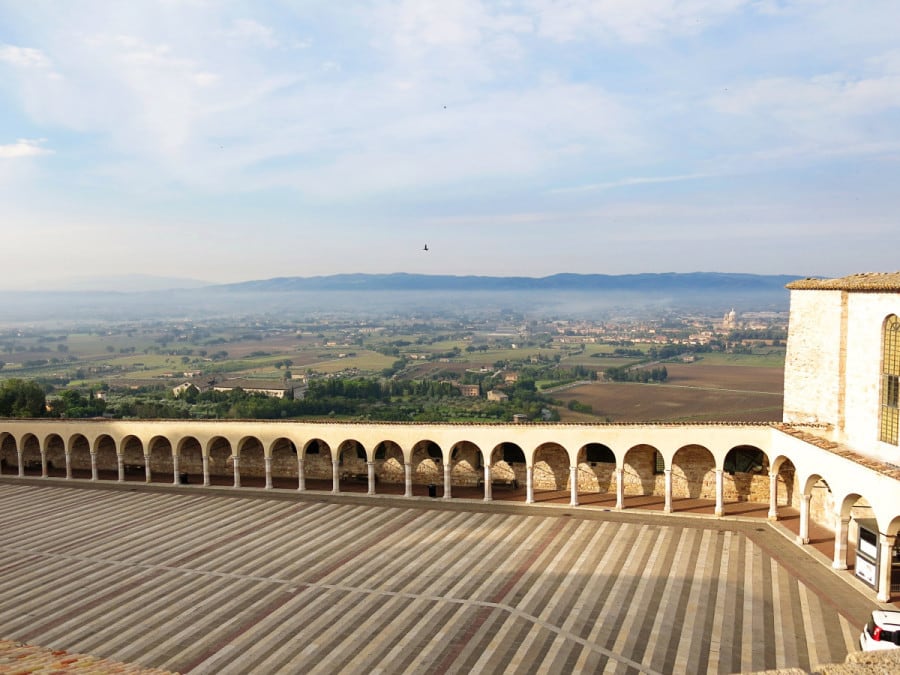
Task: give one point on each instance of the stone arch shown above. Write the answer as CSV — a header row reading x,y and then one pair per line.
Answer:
x,y
892,529
352,456
786,492
427,463
694,473
643,471
855,506
162,466
388,458
252,461
550,467
283,452
746,475
55,451
107,457
220,462
352,463
190,456
317,459
596,468
80,456
9,454
508,463
132,450
466,465
31,454
822,505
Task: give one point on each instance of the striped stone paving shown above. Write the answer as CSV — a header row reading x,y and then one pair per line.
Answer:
x,y
209,583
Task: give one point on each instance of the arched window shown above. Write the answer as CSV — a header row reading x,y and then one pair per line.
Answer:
x,y
890,380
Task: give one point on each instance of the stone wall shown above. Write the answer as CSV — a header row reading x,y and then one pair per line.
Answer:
x,y
814,359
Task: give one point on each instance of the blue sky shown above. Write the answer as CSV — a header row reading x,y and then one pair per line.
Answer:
x,y
226,141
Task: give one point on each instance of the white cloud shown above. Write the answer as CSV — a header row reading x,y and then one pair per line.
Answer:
x,y
24,147
248,30
629,21
24,57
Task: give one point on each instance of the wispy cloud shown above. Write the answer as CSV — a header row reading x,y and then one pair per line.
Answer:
x,y
24,147
626,182
24,57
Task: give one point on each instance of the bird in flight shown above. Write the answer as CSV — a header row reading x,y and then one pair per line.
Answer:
x,y
425,248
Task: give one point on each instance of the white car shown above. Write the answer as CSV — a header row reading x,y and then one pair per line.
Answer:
x,y
882,631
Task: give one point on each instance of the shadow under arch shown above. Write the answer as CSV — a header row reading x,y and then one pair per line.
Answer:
x,y
389,469
466,464
746,474
550,468
643,471
427,463
596,468
220,463
693,473
107,458
80,456
190,459
31,454
9,454
285,469
162,460
251,461
317,460
132,450
508,464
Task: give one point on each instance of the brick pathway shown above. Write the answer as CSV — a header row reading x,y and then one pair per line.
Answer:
x,y
224,581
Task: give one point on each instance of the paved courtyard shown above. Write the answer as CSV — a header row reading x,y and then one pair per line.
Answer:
x,y
210,581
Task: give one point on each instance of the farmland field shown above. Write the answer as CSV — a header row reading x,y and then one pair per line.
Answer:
x,y
694,392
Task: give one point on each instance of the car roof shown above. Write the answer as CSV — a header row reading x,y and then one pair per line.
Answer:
x,y
887,618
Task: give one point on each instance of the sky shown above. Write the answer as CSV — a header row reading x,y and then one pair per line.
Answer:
x,y
227,141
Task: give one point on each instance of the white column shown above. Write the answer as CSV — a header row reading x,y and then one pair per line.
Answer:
x,y
529,484
448,470
335,476
407,480
841,534
803,537
147,475
268,461
44,473
94,476
205,460
370,472
886,544
620,488
301,474
237,470
176,478
68,465
573,486
120,465
668,507
488,488
720,493
773,496
19,454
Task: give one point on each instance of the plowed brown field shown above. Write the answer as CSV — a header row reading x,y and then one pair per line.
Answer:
x,y
693,393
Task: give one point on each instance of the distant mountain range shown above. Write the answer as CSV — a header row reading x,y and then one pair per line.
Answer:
x,y
358,295
643,283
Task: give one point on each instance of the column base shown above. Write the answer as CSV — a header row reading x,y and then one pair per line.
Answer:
x,y
839,566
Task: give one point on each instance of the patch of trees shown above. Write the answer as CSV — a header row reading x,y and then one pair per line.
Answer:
x,y
624,374
22,398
